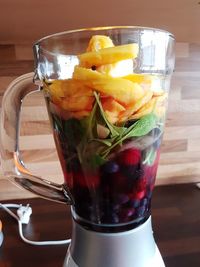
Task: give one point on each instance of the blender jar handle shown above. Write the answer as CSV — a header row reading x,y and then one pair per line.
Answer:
x,y
12,167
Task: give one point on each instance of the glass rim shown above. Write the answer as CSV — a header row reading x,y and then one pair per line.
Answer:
x,y
39,41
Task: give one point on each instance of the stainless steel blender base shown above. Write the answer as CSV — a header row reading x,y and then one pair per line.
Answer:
x,y
134,248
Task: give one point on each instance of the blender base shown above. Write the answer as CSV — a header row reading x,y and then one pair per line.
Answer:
x,y
134,248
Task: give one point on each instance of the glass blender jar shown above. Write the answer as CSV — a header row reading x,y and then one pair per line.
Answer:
x,y
106,92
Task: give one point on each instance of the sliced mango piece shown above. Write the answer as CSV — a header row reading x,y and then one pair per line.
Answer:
x,y
118,69
77,103
156,105
70,87
132,108
76,88
98,42
108,55
139,78
112,105
122,90
55,88
146,109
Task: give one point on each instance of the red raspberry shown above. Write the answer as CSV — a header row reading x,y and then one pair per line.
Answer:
x,y
130,156
137,195
141,184
140,195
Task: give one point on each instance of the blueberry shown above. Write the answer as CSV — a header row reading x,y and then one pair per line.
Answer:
x,y
141,210
110,167
135,203
114,218
144,202
125,214
132,172
130,212
149,194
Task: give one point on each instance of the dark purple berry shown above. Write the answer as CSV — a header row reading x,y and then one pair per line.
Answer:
x,y
135,203
144,202
110,167
149,194
130,212
132,172
126,213
141,211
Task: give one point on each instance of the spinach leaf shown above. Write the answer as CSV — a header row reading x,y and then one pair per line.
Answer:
x,y
139,128
142,126
96,161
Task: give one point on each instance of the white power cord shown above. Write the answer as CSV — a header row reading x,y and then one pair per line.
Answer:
x,y
23,217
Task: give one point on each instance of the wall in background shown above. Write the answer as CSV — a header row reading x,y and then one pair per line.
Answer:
x,y
24,21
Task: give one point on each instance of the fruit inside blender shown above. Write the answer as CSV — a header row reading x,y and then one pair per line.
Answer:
x,y
108,124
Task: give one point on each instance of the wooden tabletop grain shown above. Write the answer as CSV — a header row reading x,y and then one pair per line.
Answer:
x,y
176,221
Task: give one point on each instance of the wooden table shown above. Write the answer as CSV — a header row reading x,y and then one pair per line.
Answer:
x,y
176,222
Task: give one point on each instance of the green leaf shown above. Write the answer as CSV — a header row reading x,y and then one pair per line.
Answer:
x,y
142,126
103,141
111,127
73,131
89,122
96,161
139,128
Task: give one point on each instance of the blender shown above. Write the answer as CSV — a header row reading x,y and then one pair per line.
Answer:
x,y
106,92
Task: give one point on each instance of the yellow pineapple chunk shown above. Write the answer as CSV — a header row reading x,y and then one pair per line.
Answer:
x,y
108,55
77,103
98,42
122,90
